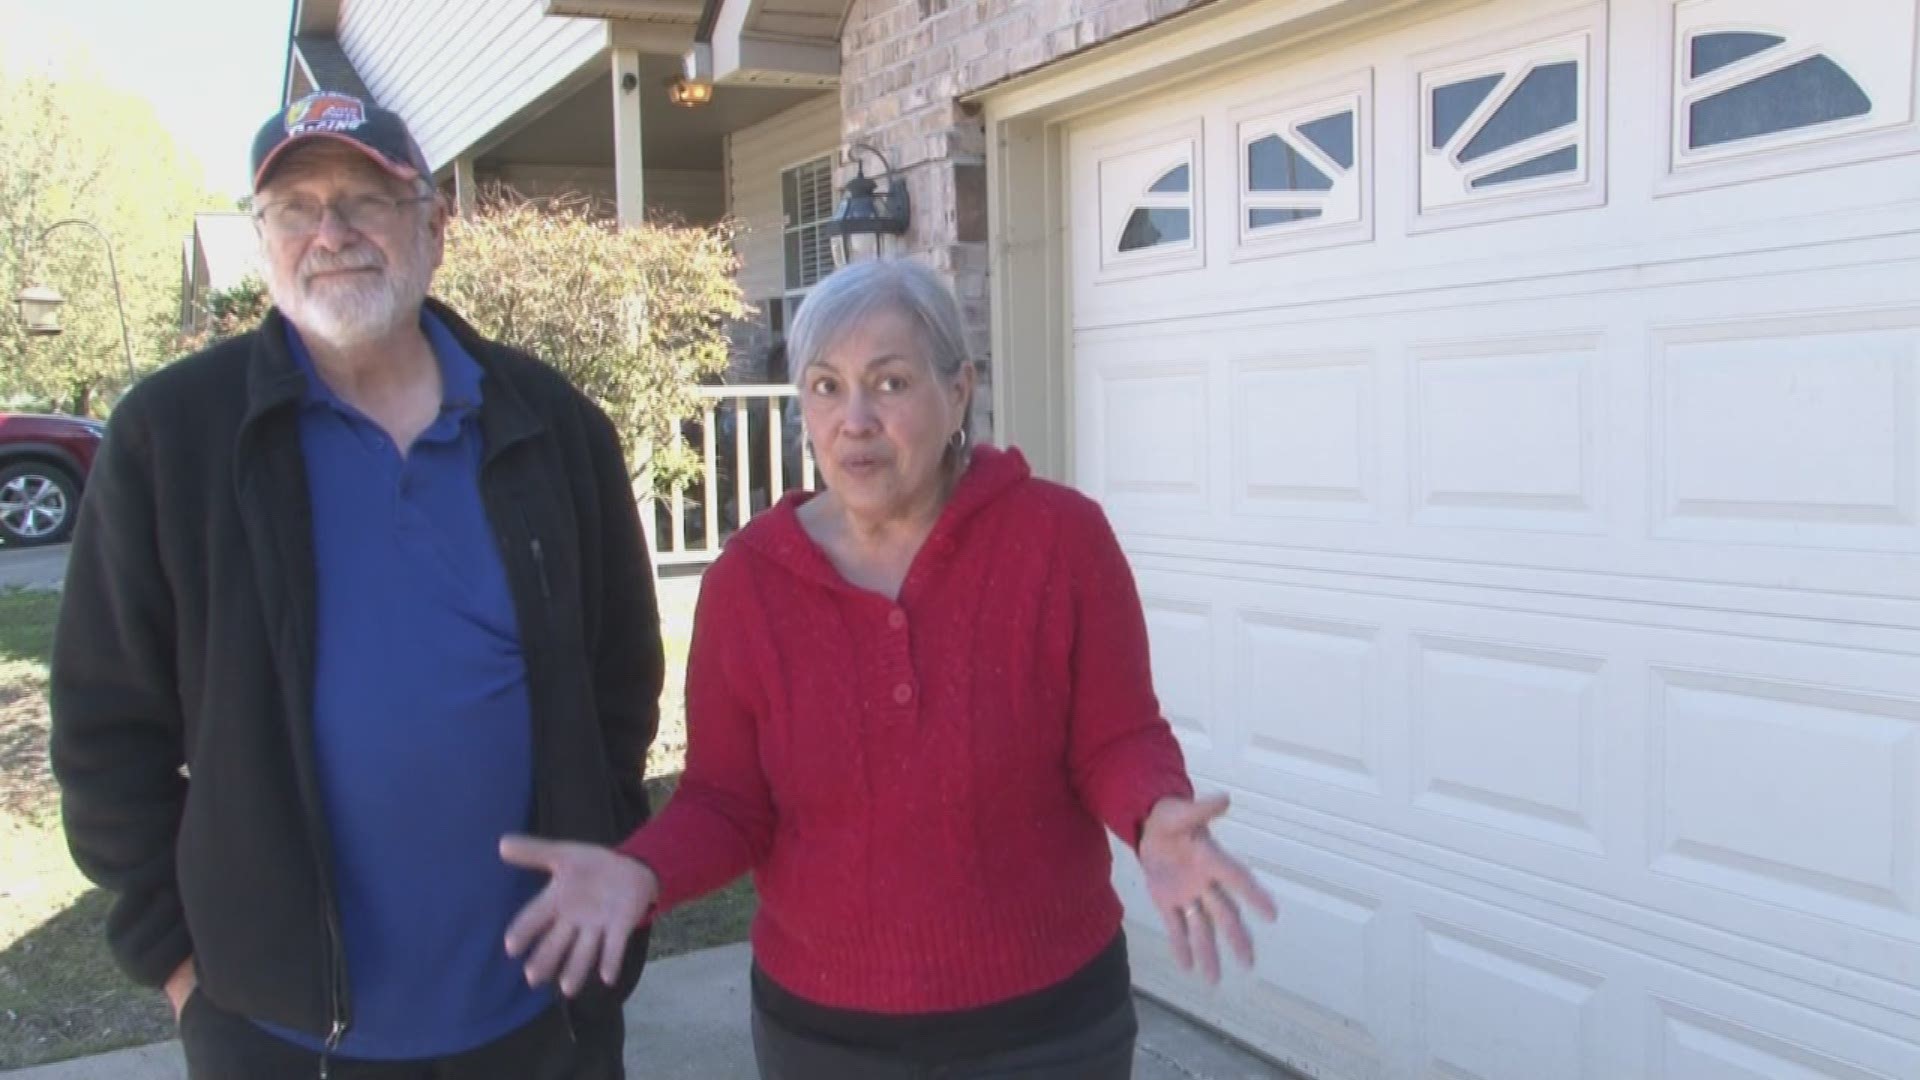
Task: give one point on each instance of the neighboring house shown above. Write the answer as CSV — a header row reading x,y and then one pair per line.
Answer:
x,y
220,253
1512,410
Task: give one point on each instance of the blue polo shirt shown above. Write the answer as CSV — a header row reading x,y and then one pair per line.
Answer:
x,y
422,724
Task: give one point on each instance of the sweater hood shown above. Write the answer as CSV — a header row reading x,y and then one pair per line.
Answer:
x,y
992,474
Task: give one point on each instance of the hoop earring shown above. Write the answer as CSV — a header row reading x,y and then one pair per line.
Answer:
x,y
959,440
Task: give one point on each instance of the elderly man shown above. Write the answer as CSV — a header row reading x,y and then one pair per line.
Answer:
x,y
353,595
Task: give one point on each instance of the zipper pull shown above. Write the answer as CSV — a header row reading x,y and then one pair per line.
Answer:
x,y
333,1043
540,565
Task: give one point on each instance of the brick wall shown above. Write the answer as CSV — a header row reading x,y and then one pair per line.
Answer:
x,y
905,64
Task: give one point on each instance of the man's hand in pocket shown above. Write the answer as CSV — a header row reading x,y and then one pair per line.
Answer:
x,y
180,986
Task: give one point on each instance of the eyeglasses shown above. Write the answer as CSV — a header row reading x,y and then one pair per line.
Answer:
x,y
297,217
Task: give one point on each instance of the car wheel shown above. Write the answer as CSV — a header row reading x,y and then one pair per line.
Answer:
x,y
38,503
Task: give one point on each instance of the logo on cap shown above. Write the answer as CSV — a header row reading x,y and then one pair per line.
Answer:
x,y
325,112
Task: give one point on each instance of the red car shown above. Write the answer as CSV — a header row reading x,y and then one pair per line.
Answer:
x,y
44,461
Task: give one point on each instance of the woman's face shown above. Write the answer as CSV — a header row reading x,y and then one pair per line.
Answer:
x,y
881,418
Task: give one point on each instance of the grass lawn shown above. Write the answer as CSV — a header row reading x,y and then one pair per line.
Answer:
x,y
60,994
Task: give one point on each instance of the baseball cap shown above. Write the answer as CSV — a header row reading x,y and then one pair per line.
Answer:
x,y
330,114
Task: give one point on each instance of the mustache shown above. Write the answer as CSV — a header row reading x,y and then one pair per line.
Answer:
x,y
324,262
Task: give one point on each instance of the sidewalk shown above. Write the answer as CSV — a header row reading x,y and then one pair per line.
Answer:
x,y
33,567
688,1021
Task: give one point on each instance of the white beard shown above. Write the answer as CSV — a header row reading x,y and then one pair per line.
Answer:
x,y
345,312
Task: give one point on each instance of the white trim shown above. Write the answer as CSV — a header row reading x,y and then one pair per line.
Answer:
x,y
466,193
1031,323
1219,35
629,169
306,69
297,69
651,38
743,57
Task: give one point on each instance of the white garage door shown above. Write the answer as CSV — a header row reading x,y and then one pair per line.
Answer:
x,y
1514,419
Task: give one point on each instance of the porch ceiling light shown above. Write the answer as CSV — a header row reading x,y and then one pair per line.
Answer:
x,y
865,207
40,310
689,93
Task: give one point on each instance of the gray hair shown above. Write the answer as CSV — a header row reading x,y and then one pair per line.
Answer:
x,y
857,291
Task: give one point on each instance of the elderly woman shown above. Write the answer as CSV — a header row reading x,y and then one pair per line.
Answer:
x,y
913,701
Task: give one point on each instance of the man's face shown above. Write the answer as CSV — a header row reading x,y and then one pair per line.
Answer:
x,y
349,249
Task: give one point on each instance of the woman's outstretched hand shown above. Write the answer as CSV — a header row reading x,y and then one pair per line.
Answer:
x,y
1197,887
594,900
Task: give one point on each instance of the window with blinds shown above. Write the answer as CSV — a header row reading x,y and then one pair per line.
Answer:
x,y
806,199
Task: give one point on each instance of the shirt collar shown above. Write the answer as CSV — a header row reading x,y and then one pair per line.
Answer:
x,y
460,373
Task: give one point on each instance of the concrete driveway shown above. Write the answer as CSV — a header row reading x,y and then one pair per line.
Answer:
x,y
688,1021
33,567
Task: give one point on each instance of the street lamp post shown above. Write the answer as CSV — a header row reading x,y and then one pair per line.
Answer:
x,y
39,304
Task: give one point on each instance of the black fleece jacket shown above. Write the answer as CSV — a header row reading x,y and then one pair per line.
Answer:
x,y
182,681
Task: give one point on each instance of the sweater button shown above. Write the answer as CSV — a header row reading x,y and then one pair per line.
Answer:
x,y
902,694
897,619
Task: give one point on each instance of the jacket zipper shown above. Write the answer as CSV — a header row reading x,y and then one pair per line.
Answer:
x,y
334,1035
336,1006
533,642
338,1020
540,567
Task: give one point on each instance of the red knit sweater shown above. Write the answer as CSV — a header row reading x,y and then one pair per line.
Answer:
x,y
920,787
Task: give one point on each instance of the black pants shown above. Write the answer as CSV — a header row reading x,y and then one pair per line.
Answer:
x,y
1100,1051
222,1046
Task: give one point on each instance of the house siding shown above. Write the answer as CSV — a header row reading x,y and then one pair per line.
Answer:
x,y
755,158
458,69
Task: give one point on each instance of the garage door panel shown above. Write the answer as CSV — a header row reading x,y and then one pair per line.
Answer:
x,y
1156,420
1663,201
1481,452
1690,1043
1326,981
1798,432
1457,981
1508,737
1716,779
1825,619
1305,436
1490,1008
1509,435
1309,695
1182,632
1799,795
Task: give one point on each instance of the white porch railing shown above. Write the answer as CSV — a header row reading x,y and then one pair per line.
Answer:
x,y
750,455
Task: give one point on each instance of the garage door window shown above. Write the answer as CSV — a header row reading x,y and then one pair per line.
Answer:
x,y
1293,168
1813,91
1519,128
1149,202
1161,216
1771,74
1302,173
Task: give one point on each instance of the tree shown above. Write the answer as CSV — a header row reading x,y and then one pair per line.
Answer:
x,y
226,313
71,146
636,317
